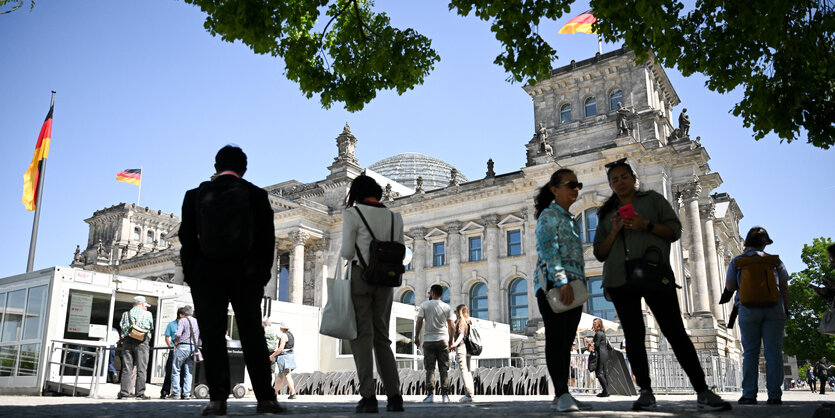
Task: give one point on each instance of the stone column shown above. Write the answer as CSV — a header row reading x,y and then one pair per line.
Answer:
x,y
494,282
296,288
456,294
320,272
529,248
271,289
690,195
714,282
418,263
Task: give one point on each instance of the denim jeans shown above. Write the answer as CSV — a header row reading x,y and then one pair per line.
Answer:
x,y
762,326
183,356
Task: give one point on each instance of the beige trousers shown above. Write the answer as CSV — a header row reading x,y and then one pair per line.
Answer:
x,y
463,360
372,305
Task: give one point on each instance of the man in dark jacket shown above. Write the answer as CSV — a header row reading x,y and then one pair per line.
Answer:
x,y
822,371
228,241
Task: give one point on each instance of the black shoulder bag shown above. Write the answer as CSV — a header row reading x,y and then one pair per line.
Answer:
x,y
651,273
385,259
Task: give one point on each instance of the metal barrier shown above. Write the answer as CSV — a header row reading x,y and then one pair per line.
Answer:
x,y
79,351
498,362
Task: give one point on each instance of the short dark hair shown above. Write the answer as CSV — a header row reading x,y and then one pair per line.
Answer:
x,y
757,238
231,157
181,311
437,290
363,187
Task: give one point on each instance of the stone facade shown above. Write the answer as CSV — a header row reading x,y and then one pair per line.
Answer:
x,y
575,125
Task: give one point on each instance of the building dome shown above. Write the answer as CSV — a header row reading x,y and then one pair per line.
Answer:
x,y
405,169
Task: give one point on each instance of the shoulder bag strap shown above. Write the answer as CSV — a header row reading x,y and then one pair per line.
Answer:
x,y
191,331
359,253
392,226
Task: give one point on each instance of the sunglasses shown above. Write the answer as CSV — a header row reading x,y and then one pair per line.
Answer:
x,y
572,185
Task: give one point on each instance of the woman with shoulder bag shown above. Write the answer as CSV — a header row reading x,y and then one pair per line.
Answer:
x,y
372,304
634,225
560,262
462,358
602,349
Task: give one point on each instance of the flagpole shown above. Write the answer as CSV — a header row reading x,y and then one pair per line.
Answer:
x,y
33,242
599,44
138,195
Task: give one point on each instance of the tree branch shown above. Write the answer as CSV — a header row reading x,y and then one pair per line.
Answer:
x,y
19,3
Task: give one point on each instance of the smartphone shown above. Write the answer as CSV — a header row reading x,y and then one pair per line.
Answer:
x,y
627,211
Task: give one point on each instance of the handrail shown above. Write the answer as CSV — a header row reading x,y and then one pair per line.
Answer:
x,y
82,350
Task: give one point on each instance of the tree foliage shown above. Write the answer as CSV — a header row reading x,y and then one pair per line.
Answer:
x,y
807,308
15,4
780,52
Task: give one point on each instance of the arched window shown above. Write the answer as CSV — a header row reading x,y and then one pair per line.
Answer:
x,y
588,225
445,295
518,304
614,98
591,106
149,237
408,297
565,113
137,234
161,240
478,301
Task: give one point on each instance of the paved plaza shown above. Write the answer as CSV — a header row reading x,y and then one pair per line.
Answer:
x,y
797,403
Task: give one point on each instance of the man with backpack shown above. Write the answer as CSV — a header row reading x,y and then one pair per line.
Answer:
x,y
228,240
762,298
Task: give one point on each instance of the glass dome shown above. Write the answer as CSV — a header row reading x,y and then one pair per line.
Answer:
x,y
405,169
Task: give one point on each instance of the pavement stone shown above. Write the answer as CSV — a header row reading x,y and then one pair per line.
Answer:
x,y
796,403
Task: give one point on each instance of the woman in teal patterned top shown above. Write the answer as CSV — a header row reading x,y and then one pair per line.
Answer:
x,y
560,258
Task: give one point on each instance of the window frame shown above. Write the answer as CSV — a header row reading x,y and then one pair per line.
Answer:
x,y
590,101
509,244
435,254
614,105
565,113
511,306
471,249
473,311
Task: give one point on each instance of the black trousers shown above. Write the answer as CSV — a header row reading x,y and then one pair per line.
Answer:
x,y
560,331
210,305
813,384
602,370
166,384
824,381
665,308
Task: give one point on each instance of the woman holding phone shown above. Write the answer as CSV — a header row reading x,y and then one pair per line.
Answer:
x,y
560,260
630,222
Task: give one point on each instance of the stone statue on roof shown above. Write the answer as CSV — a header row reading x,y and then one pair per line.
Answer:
x,y
623,114
684,123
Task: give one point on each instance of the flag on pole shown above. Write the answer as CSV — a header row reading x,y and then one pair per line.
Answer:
x,y
131,175
31,176
580,23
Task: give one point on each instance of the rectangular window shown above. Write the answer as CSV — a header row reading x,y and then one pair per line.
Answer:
x,y
514,243
29,356
438,254
33,323
408,267
8,359
13,317
597,304
475,248
345,348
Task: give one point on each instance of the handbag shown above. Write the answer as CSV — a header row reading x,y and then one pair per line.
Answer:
x,y
592,366
581,293
338,317
134,331
827,325
651,272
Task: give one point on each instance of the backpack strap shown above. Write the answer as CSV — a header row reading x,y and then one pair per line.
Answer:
x,y
359,253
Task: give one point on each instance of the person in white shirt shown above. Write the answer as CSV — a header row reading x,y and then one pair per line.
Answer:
x,y
437,340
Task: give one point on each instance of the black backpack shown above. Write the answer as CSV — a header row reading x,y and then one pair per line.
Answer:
x,y
472,341
385,259
224,219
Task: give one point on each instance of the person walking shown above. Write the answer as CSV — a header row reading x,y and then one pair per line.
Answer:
x,y
822,372
437,341
650,223
272,342
602,344
228,244
170,331
810,378
285,360
185,343
372,304
136,324
762,316
559,251
462,358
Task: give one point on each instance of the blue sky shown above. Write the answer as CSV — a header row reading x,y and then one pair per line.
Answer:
x,y
143,84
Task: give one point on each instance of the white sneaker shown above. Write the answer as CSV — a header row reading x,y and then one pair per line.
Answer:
x,y
466,399
565,403
582,405
429,398
445,399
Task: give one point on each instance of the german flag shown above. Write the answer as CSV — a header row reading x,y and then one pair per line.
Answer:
x,y
131,175
580,23
32,175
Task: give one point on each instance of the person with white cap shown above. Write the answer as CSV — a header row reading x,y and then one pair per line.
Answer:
x,y
285,360
136,325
